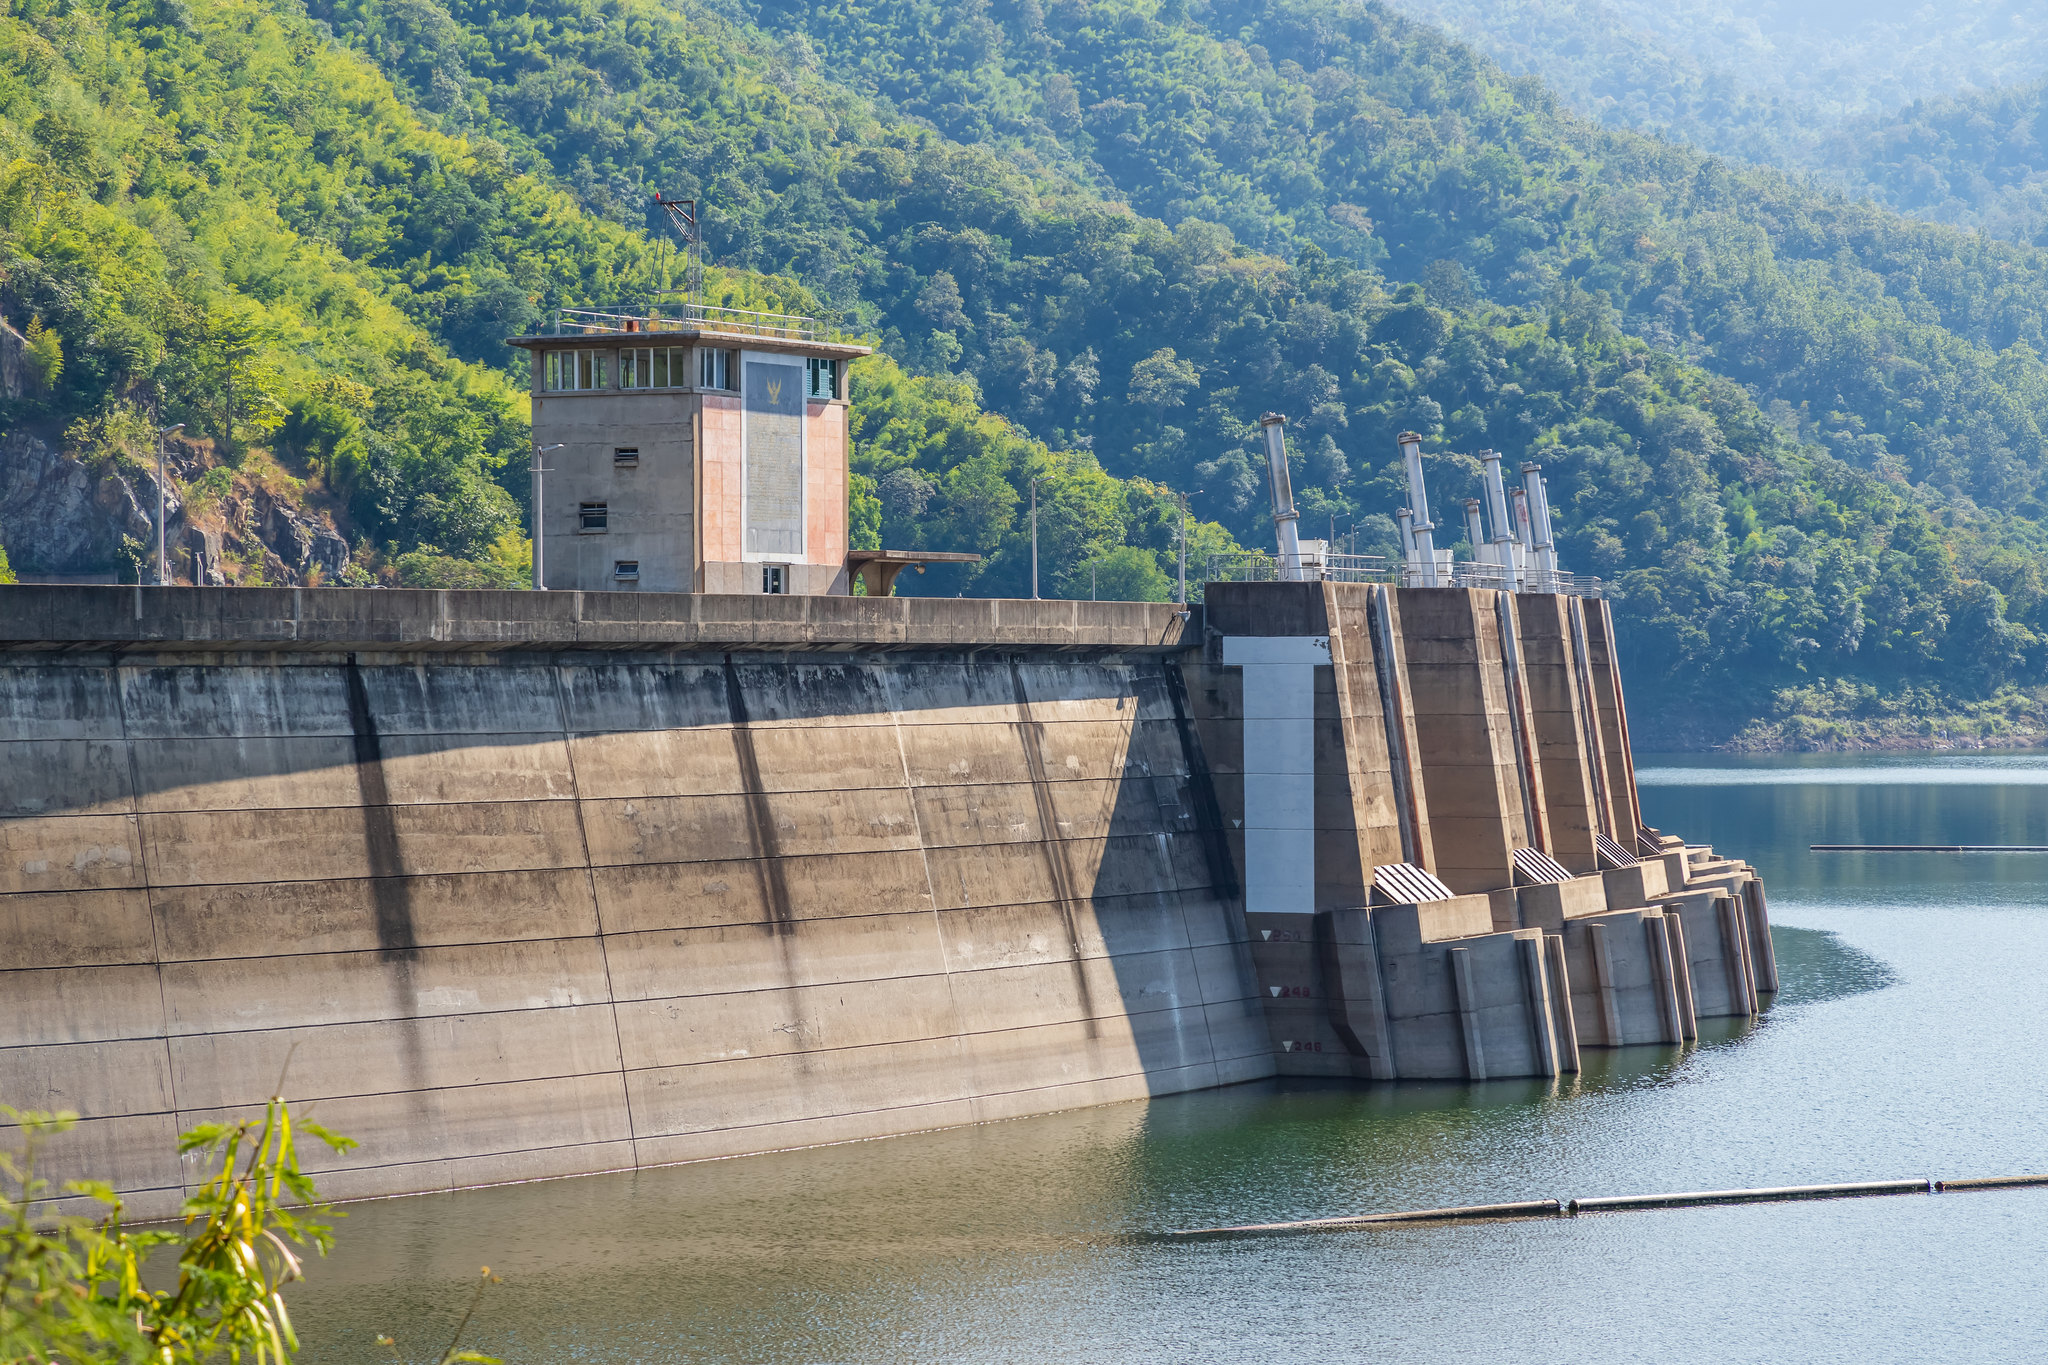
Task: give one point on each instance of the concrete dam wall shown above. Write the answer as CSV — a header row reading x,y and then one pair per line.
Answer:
x,y
512,885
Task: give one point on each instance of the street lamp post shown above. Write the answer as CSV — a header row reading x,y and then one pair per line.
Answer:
x,y
539,573
1034,540
1184,547
163,559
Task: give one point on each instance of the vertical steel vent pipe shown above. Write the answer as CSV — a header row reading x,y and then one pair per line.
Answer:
x,y
1539,523
1422,556
1284,515
1475,532
1497,511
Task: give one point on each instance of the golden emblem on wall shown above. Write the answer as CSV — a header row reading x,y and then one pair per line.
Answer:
x,y
775,390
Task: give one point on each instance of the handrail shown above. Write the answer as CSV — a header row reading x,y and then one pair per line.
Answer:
x,y
691,316
1257,566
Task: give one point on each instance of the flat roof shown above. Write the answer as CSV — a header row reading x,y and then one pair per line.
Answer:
x,y
695,324
695,336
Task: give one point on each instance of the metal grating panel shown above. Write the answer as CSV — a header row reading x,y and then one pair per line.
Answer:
x,y
1533,866
1611,853
1406,884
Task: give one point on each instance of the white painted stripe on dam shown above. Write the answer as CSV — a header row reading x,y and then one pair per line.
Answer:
x,y
1279,767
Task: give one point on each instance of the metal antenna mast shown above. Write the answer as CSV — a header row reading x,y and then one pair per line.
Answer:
x,y
682,216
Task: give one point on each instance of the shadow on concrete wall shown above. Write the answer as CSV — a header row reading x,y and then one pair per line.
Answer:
x,y
537,916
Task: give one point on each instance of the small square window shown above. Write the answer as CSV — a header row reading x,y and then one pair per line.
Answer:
x,y
592,517
714,369
626,457
773,579
626,569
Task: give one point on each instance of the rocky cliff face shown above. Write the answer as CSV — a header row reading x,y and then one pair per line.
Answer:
x,y
59,517
13,361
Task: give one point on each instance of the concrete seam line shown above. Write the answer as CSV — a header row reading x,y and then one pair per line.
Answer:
x,y
604,956
156,930
900,1042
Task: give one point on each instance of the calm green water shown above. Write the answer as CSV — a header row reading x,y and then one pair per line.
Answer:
x,y
1909,1041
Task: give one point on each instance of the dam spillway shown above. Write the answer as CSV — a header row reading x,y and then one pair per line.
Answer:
x,y
530,885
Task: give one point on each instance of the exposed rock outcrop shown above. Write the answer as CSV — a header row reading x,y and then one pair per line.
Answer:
x,y
57,516
13,361
302,543
54,516
204,549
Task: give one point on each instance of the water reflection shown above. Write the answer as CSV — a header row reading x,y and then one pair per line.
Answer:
x,y
1854,770
1766,816
1905,1042
1816,966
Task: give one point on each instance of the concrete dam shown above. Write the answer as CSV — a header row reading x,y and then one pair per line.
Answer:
x,y
517,885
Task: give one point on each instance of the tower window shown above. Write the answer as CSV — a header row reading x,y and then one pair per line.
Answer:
x,y
572,371
626,569
774,579
592,517
714,369
652,367
824,378
626,457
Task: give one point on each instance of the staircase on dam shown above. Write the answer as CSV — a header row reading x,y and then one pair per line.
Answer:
x,y
525,885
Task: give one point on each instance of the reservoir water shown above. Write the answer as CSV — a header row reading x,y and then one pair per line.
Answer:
x,y
1911,1039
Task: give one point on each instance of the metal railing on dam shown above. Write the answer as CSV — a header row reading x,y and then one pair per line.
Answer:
x,y
1257,566
540,884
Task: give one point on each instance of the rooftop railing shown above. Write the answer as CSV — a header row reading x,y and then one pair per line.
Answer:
x,y
1254,566
694,317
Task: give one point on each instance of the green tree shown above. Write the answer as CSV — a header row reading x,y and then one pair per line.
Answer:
x,y
44,351
863,513
72,1288
1129,574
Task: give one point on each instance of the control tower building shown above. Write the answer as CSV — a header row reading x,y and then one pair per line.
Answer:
x,y
701,453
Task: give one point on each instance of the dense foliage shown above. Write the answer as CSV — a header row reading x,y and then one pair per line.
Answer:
x,y
74,1288
159,164
214,215
1095,241
1135,228
1978,159
1751,78
1874,103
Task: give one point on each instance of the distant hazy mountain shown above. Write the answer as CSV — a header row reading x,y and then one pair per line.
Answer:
x,y
1929,109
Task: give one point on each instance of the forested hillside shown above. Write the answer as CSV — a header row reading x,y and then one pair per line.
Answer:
x,y
1975,160
214,215
1803,438
1778,420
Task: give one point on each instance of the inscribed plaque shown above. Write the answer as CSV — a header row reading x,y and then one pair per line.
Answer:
x,y
774,453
